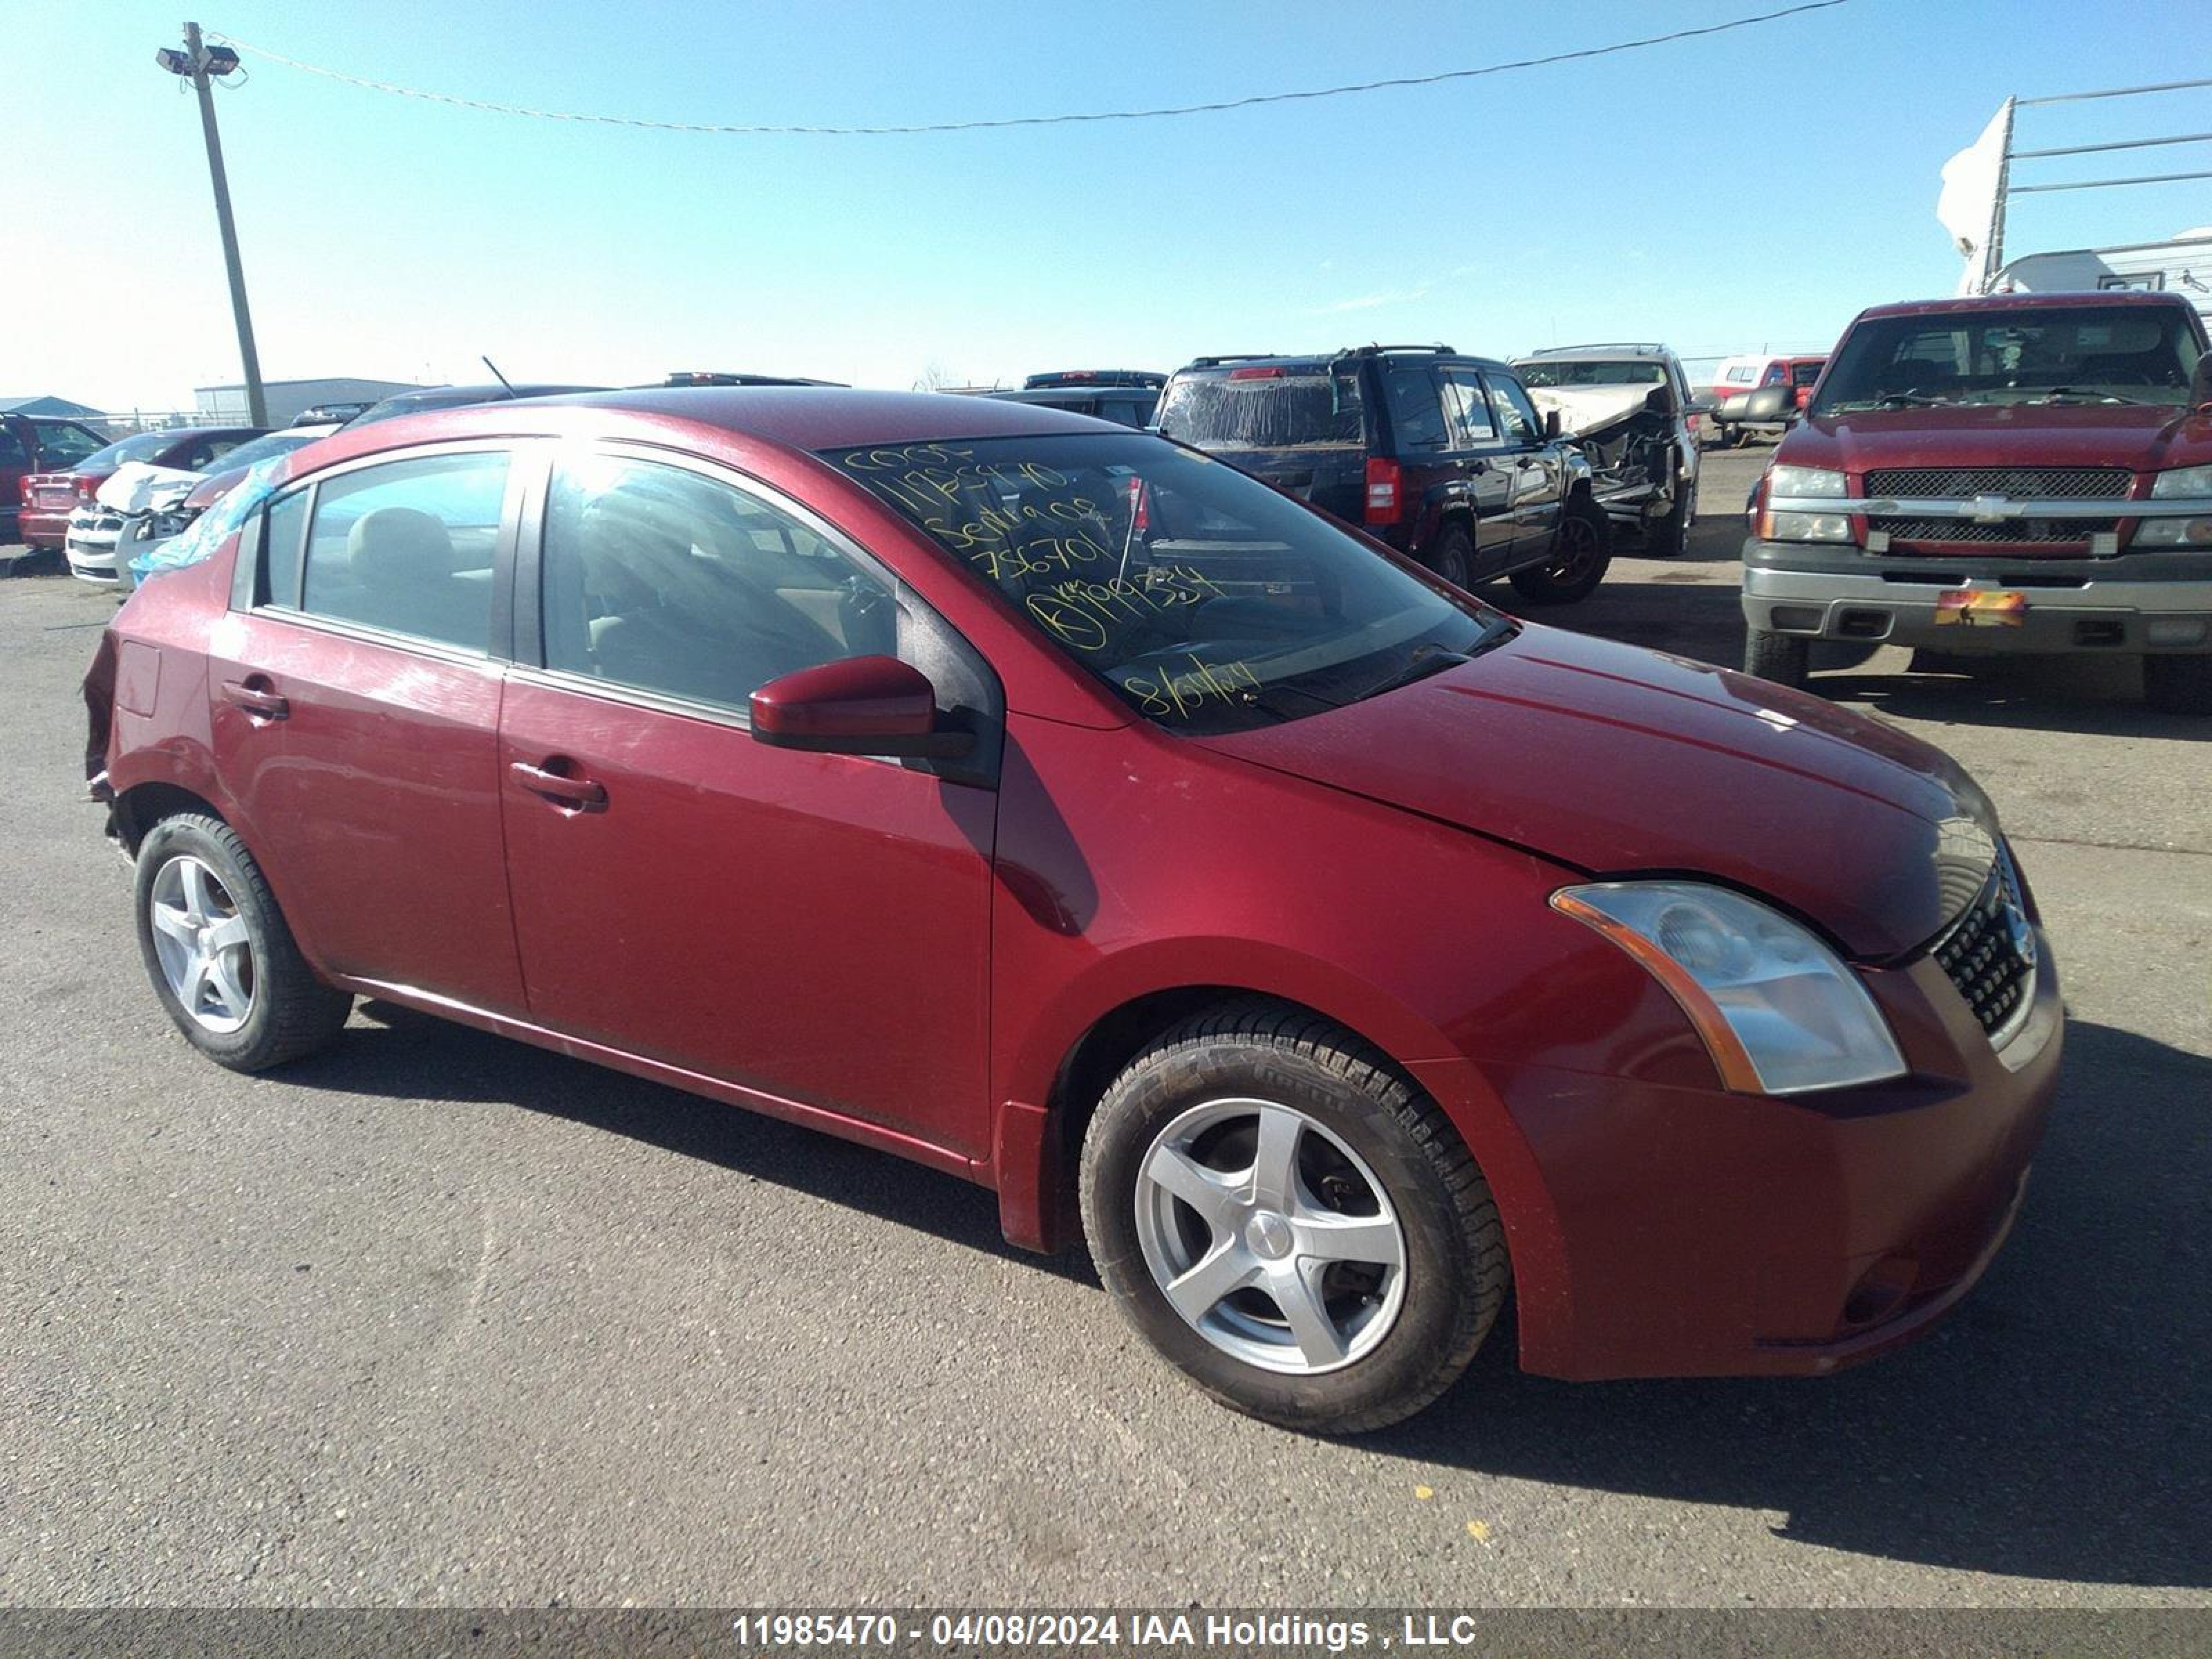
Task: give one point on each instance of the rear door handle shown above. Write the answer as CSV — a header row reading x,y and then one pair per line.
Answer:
x,y
258,701
582,794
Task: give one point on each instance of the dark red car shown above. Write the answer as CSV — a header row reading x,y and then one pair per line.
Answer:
x,y
30,444
49,498
1060,808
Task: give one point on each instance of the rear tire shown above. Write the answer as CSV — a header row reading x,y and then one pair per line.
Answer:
x,y
1174,1186
222,959
1451,555
2179,685
1785,659
1580,554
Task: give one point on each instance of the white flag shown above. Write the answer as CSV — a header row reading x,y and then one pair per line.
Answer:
x,y
1971,206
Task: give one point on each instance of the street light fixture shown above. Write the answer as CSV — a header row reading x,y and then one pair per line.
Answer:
x,y
197,63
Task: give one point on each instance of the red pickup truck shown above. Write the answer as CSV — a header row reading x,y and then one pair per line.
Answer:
x,y
2012,473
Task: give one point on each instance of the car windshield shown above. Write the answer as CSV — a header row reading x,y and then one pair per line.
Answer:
x,y
1206,601
2089,353
141,447
261,448
1265,406
1630,371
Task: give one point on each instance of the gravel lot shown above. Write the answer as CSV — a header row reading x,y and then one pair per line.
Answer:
x,y
438,1318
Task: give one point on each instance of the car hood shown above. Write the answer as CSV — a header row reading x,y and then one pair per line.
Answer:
x,y
1619,761
2135,436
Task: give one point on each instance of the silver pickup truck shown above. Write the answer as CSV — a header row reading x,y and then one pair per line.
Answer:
x,y
1630,409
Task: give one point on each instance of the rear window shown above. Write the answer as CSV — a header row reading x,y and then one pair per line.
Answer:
x,y
1265,406
143,446
1805,373
61,445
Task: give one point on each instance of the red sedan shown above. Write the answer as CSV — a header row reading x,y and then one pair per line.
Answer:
x,y
1054,805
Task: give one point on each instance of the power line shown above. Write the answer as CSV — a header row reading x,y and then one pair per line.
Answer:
x,y
496,108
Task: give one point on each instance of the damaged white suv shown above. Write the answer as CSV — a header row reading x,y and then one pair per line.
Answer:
x,y
1628,408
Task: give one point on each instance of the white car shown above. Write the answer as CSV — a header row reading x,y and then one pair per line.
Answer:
x,y
142,506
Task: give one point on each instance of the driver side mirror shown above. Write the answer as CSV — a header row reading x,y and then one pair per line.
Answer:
x,y
1551,425
1658,401
2200,383
860,706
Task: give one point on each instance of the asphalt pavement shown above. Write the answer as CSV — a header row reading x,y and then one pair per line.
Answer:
x,y
435,1317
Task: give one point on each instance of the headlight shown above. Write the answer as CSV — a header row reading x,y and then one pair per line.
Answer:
x,y
1780,1014
1819,482
2182,481
2177,483
1815,482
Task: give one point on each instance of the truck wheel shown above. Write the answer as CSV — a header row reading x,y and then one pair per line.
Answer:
x,y
1666,539
1581,551
1451,555
2179,685
1284,1218
1783,658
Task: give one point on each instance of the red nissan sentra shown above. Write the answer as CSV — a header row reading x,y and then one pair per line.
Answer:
x,y
1059,807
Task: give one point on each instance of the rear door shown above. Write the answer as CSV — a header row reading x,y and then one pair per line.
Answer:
x,y
812,927
1486,466
355,717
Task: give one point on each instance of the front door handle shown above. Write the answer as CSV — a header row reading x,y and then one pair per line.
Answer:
x,y
256,699
579,794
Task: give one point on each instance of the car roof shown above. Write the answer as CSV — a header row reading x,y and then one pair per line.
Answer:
x,y
2110,296
1325,359
1594,354
806,418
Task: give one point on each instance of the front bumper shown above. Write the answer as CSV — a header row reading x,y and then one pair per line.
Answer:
x,y
1689,1233
2132,604
90,545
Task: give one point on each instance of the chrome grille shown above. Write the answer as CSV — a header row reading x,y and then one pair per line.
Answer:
x,y
1983,956
2019,482
2012,529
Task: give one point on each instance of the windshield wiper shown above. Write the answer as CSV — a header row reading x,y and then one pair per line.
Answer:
x,y
2081,394
1900,399
1429,659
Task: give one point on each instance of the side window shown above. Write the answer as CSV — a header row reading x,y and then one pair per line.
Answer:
x,y
62,446
1515,415
1416,414
656,578
11,448
204,454
408,547
282,521
1467,411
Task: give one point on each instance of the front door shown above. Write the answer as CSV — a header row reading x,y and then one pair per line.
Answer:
x,y
1486,464
812,927
1537,468
355,716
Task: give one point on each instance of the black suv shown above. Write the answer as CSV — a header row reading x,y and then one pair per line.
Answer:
x,y
1127,397
1441,455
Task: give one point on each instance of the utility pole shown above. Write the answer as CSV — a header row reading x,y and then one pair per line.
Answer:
x,y
194,62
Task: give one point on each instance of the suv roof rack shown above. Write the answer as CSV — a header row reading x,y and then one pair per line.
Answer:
x,y
1233,357
1436,346
1651,346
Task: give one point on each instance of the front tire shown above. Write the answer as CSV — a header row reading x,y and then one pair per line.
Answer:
x,y
1290,1222
222,959
2179,685
1785,659
1666,538
1580,551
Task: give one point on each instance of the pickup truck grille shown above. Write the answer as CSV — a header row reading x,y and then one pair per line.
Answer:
x,y
2076,531
1981,954
2019,482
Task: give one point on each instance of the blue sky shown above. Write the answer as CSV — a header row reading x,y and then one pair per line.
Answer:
x,y
1752,189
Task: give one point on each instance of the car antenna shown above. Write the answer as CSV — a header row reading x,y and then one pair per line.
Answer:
x,y
501,378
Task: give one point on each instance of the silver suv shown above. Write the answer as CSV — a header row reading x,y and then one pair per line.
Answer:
x,y
1628,407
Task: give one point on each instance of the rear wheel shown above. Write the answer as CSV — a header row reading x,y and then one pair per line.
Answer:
x,y
1580,553
1290,1222
2179,685
219,953
1785,659
1451,555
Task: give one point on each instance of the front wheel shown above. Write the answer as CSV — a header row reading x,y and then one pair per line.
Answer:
x,y
1785,659
220,955
2179,685
1666,538
1290,1222
1580,551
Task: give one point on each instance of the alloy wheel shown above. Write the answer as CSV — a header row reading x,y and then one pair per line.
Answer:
x,y
203,945
1271,1237
1573,553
